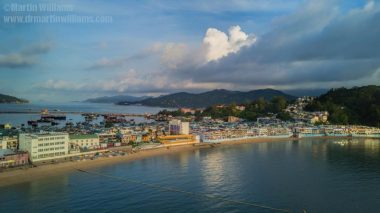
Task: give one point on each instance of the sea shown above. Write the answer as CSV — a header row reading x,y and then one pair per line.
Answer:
x,y
17,119
309,175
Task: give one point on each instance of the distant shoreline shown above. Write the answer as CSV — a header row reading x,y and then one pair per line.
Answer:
x,y
44,171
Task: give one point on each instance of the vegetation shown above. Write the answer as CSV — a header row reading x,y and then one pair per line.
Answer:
x,y
11,99
211,98
257,108
358,105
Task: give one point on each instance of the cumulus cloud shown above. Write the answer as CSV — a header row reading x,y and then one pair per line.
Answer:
x,y
24,58
172,55
15,60
130,82
319,44
217,44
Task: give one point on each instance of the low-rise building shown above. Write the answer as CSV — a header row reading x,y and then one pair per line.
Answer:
x,y
3,144
5,126
10,158
171,140
107,137
240,107
187,110
45,146
9,142
232,119
84,141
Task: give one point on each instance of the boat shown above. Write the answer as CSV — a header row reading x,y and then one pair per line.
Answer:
x,y
54,117
32,123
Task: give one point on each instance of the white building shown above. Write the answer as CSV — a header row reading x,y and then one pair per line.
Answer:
x,y
3,144
84,141
44,146
185,130
7,142
177,127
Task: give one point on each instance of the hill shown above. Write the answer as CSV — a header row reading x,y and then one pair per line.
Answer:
x,y
210,98
358,105
7,99
115,99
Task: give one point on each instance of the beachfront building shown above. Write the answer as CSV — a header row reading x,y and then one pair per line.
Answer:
x,y
3,144
45,146
177,127
172,140
106,137
10,158
84,141
9,142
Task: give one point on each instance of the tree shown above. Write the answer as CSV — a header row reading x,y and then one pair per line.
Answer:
x,y
284,116
278,104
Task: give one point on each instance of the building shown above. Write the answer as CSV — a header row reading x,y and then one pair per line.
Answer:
x,y
3,144
232,119
107,137
187,110
177,127
240,107
9,142
84,141
45,146
170,140
5,126
10,158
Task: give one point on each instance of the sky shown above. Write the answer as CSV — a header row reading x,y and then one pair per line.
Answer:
x,y
139,47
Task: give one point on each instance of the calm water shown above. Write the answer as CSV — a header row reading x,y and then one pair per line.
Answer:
x,y
18,119
316,175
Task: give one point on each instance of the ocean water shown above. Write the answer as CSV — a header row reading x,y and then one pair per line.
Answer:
x,y
315,175
21,118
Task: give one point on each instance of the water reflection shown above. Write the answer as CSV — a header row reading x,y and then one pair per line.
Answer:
x,y
318,175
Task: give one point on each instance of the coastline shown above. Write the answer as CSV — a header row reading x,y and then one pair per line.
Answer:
x,y
45,171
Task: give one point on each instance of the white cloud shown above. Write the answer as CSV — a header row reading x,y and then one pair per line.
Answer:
x,y
218,44
369,6
215,45
26,57
15,60
171,54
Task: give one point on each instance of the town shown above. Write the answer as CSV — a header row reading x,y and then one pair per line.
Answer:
x,y
115,135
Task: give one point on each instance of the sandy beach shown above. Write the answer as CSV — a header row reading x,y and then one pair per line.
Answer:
x,y
44,171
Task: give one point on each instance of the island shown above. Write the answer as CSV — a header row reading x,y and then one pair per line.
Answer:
x,y
7,99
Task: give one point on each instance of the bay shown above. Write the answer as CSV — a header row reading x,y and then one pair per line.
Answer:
x,y
317,175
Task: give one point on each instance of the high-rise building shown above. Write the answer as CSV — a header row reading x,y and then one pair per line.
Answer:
x,y
44,146
177,127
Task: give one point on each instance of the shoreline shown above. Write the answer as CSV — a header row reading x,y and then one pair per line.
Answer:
x,y
44,171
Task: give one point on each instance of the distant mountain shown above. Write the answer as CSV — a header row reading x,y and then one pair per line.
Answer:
x,y
7,99
214,97
305,92
115,99
358,105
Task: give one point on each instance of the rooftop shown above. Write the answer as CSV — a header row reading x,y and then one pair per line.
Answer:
x,y
5,152
83,136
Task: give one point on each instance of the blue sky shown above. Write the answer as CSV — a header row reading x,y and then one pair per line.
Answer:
x,y
159,47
